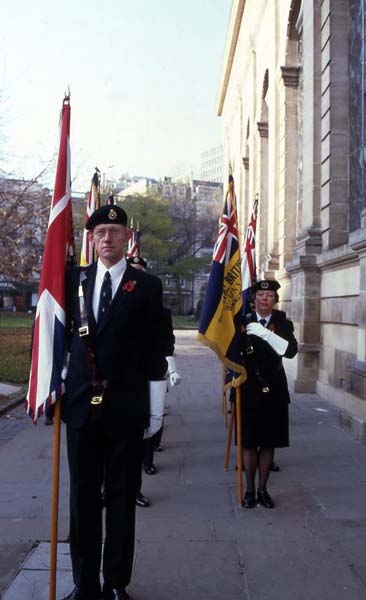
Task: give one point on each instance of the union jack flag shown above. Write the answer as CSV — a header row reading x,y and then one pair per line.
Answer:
x,y
87,256
248,271
221,312
48,350
227,238
134,242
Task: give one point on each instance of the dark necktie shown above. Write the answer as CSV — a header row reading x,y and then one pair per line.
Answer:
x,y
105,297
263,322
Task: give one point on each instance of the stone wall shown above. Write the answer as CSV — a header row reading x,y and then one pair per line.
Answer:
x,y
291,93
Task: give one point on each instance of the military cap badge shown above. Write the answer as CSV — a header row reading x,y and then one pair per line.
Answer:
x,y
112,215
266,284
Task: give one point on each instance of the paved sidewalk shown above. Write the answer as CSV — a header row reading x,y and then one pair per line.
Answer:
x,y
194,542
11,395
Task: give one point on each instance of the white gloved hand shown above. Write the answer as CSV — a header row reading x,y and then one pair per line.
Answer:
x,y
278,344
65,367
174,376
157,391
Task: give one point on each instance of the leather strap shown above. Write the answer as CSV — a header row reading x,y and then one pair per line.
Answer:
x,y
98,386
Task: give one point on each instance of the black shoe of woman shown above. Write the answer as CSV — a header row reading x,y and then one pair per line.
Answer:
x,y
249,500
264,499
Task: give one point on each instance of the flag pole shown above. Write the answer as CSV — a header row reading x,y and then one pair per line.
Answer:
x,y
239,444
229,436
55,499
224,403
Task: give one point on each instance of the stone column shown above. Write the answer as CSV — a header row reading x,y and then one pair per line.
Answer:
x,y
334,124
356,376
287,82
262,187
303,269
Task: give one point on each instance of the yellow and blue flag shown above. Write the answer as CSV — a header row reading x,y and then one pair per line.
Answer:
x,y
222,309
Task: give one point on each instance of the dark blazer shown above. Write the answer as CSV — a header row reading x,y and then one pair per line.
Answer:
x,y
262,362
265,394
168,338
127,347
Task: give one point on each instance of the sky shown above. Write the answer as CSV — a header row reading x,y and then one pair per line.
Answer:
x,y
143,76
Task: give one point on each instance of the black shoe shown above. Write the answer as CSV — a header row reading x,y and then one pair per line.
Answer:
x,y
141,500
264,499
150,469
77,595
48,421
110,593
249,500
275,467
158,448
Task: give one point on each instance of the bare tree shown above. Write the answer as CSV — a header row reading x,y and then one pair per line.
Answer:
x,y
24,211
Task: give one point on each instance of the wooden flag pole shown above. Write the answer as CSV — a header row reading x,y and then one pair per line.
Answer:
x,y
229,436
224,404
55,497
239,444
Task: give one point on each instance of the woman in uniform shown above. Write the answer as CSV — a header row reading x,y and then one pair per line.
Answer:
x,y
268,336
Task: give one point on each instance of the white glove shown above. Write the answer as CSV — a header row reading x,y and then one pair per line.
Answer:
x,y
157,391
65,367
174,376
278,344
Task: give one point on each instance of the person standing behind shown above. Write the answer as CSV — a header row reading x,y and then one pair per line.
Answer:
x,y
157,402
113,316
265,397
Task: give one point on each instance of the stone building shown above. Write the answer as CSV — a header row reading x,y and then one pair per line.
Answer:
x,y
292,102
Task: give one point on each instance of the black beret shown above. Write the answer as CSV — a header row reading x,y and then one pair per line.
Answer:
x,y
266,284
107,215
137,260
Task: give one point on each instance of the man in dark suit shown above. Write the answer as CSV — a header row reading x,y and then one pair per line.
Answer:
x,y
113,316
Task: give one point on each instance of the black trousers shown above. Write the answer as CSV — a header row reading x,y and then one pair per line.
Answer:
x,y
95,455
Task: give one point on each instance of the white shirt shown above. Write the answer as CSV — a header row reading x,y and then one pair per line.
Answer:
x,y
267,318
116,272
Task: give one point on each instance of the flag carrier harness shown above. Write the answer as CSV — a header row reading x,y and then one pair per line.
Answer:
x,y
98,386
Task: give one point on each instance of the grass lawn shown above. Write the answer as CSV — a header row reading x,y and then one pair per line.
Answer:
x,y
15,320
184,322
14,354
15,339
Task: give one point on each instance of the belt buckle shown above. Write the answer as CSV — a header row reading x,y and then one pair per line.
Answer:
x,y
83,330
96,400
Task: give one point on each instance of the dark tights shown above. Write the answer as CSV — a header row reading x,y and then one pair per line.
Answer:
x,y
257,459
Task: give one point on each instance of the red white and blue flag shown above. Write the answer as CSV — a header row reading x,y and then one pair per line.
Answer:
x,y
248,270
48,350
219,326
134,243
87,255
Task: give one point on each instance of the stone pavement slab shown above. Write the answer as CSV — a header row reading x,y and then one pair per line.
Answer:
x,y
194,541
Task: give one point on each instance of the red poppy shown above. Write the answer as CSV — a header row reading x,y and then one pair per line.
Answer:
x,y
272,328
129,286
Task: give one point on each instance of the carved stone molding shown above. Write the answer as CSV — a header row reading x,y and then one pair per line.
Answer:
x,y
263,129
290,76
246,162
